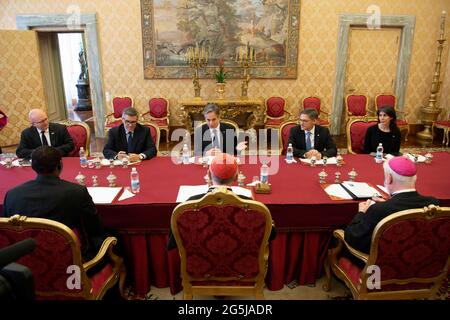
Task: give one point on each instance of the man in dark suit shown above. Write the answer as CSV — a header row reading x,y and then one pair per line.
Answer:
x,y
309,139
215,137
223,171
43,133
400,181
50,197
130,139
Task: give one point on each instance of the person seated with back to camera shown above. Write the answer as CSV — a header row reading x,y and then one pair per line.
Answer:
x,y
223,171
130,139
385,132
310,139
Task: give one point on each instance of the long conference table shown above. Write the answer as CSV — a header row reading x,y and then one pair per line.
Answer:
x,y
304,214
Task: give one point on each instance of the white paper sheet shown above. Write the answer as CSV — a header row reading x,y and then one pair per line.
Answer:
x,y
336,190
420,158
360,189
102,195
331,160
185,192
126,194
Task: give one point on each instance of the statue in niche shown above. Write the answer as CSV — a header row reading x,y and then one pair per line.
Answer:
x,y
84,75
84,99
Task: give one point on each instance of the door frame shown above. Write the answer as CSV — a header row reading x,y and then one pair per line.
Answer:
x,y
346,21
87,22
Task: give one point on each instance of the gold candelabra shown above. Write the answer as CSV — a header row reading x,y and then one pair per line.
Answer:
x,y
197,58
245,57
431,111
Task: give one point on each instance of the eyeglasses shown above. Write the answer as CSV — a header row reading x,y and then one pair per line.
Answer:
x,y
130,122
42,121
304,121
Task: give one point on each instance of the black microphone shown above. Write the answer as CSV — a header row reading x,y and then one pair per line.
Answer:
x,y
16,251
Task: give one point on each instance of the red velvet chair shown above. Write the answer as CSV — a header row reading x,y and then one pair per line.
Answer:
x,y
411,248
382,100
159,114
285,130
223,245
3,119
80,134
444,125
56,252
356,133
275,113
356,105
119,103
154,132
315,102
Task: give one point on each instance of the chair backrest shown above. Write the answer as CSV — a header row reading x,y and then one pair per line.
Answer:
x,y
158,107
80,134
312,102
3,119
275,107
120,103
356,105
382,100
223,244
356,133
154,132
285,130
57,251
412,250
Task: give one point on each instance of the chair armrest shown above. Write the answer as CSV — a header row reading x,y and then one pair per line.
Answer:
x,y
106,247
339,234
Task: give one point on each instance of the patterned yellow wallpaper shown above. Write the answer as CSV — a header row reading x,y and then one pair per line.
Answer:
x,y
21,82
121,50
445,96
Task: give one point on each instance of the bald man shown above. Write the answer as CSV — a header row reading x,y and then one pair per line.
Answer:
x,y
43,133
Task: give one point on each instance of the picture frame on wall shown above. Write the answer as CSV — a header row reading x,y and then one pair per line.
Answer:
x,y
171,27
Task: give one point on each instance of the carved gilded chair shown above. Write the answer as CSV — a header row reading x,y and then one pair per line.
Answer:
x,y
445,126
223,245
316,103
56,263
154,132
159,114
356,105
285,130
390,100
119,103
80,134
275,113
356,133
409,257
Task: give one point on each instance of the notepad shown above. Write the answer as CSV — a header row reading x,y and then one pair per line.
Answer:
x,y
103,195
359,190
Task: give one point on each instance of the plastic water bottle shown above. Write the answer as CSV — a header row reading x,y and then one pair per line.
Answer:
x,y
135,185
264,173
186,154
83,159
290,153
379,154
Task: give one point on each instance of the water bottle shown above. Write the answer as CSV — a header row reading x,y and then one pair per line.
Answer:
x,y
135,185
379,154
83,159
264,174
290,153
186,154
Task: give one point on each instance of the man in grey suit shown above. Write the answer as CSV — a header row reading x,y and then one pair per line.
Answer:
x,y
43,133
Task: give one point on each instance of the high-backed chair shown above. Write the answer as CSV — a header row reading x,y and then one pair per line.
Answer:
x,y
356,105
285,130
356,133
57,257
80,134
3,119
159,113
409,257
223,244
119,103
445,126
384,99
316,103
154,132
275,113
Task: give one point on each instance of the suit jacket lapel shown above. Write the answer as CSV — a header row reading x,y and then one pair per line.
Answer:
x,y
36,136
52,135
316,137
123,138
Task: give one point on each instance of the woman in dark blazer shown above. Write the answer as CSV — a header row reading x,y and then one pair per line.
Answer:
x,y
386,132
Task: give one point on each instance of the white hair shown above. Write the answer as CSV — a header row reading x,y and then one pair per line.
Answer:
x,y
398,178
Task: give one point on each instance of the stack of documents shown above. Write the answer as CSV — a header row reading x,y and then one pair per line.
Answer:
x,y
352,190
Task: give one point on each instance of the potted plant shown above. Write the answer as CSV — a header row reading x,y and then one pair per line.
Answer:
x,y
220,75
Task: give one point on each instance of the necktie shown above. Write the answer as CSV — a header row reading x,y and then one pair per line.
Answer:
x,y
129,141
44,139
308,140
215,140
